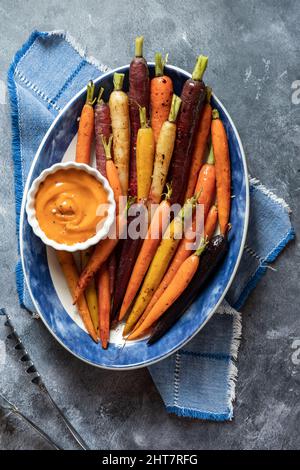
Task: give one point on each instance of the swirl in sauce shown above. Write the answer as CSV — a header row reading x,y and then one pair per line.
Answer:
x,y
68,206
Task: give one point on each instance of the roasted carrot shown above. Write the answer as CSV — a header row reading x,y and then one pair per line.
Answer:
x,y
138,96
129,253
211,222
86,127
182,253
112,266
102,128
159,264
104,305
210,259
193,98
180,281
222,164
69,269
200,145
156,230
164,151
90,292
206,184
112,172
101,253
161,91
145,147
119,111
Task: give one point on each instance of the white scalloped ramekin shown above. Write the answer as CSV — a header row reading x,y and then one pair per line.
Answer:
x,y
31,214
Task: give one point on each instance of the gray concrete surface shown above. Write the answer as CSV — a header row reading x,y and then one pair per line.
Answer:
x,y
254,59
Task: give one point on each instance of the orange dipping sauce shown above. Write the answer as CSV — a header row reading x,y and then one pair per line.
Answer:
x,y
68,206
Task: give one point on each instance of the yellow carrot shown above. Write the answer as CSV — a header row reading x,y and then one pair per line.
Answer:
x,y
156,230
145,147
90,292
163,154
178,284
69,268
160,263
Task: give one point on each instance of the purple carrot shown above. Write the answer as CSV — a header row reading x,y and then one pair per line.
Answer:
x,y
193,98
102,127
139,95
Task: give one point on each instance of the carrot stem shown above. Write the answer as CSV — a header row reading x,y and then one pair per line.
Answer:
x,y
90,89
99,99
159,65
143,117
175,105
168,194
118,81
107,146
139,43
215,114
211,157
201,247
200,68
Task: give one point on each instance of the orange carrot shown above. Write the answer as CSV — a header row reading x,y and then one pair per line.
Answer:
x,y
160,262
182,253
104,305
178,284
200,145
161,91
156,230
222,164
101,253
86,127
211,222
70,271
206,183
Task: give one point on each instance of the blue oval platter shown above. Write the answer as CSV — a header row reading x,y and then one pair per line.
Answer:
x,y
46,283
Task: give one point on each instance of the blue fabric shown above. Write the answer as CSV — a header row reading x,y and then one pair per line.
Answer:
x,y
197,381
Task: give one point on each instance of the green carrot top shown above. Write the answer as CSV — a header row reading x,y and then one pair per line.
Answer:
x,y
211,157
201,247
168,194
215,114
107,146
118,81
100,99
187,209
139,43
159,65
90,89
175,105
200,67
143,117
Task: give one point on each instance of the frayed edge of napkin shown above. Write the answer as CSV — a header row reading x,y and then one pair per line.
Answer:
x,y
78,48
224,309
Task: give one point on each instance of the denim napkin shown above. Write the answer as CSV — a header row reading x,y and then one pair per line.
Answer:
x,y
199,380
